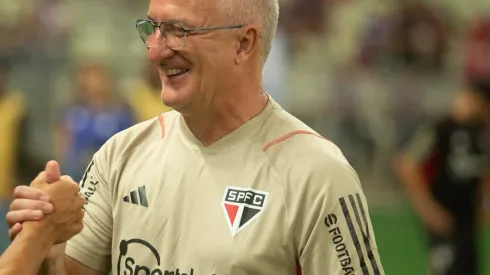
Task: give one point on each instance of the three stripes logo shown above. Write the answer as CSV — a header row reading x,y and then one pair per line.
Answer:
x,y
357,223
137,197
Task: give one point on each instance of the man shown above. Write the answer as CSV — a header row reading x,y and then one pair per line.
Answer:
x,y
29,249
443,170
229,183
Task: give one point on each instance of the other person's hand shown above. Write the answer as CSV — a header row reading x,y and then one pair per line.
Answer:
x,y
51,200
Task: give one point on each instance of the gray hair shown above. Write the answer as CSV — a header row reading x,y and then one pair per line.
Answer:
x,y
265,13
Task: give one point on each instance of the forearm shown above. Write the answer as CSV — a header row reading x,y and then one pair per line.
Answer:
x,y
26,253
53,267
414,184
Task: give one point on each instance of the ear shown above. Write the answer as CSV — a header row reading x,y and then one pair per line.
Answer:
x,y
248,43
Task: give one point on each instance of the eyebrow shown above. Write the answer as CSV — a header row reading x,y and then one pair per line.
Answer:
x,y
179,19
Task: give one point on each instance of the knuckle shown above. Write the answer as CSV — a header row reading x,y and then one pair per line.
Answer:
x,y
39,205
72,188
67,178
79,201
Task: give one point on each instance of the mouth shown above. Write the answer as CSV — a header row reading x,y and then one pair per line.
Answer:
x,y
175,72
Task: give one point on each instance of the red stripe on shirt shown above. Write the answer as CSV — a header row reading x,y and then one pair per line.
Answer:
x,y
288,135
162,125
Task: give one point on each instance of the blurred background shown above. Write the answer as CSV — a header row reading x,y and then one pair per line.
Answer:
x,y
363,73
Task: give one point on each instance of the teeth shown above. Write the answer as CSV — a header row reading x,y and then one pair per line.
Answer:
x,y
172,72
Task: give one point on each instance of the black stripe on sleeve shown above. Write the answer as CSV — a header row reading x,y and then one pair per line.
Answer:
x,y
364,232
353,235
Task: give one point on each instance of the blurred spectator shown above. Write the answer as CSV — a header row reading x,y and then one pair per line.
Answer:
x,y
146,99
91,119
304,17
376,40
443,169
421,39
16,164
18,23
477,53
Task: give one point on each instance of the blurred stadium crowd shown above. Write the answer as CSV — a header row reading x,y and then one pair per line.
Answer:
x,y
363,73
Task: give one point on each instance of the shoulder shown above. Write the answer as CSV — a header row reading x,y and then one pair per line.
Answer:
x,y
286,137
302,157
140,136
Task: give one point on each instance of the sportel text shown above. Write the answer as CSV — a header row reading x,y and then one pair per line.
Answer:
x,y
130,266
139,270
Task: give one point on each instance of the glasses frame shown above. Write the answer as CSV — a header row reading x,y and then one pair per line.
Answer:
x,y
187,31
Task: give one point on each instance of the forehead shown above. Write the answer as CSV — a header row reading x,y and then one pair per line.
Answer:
x,y
186,11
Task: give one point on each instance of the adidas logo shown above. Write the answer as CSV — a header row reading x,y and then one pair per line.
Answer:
x,y
137,197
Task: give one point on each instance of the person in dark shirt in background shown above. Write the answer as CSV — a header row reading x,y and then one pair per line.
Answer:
x,y
444,169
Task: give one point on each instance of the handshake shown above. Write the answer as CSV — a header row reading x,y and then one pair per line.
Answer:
x,y
50,206
42,218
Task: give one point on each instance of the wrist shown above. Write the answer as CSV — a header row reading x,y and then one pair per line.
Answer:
x,y
40,230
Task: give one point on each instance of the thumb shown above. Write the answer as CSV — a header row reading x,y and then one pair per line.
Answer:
x,y
53,172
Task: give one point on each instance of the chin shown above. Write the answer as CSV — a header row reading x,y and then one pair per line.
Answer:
x,y
173,99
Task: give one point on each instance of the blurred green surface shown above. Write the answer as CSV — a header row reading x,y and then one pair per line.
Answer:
x,y
401,242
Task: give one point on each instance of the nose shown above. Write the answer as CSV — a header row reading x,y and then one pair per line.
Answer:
x,y
157,48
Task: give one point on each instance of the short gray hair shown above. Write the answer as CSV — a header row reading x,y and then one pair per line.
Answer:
x,y
265,13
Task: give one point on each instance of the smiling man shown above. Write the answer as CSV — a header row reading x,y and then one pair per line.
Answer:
x,y
228,183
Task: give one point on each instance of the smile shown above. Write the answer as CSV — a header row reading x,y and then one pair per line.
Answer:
x,y
175,72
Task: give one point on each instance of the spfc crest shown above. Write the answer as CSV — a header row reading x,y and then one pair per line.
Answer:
x,y
242,206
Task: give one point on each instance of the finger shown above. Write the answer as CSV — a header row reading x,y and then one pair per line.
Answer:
x,y
25,204
15,230
26,192
53,171
21,216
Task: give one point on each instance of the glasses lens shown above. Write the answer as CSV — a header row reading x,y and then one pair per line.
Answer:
x,y
174,35
145,29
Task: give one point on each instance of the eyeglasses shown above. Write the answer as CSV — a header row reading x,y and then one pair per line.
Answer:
x,y
174,33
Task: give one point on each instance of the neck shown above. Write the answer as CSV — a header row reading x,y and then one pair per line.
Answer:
x,y
226,114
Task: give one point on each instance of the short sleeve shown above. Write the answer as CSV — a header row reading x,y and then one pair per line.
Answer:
x,y
333,228
421,144
92,247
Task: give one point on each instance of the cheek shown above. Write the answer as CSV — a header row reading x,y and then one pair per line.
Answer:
x,y
211,60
